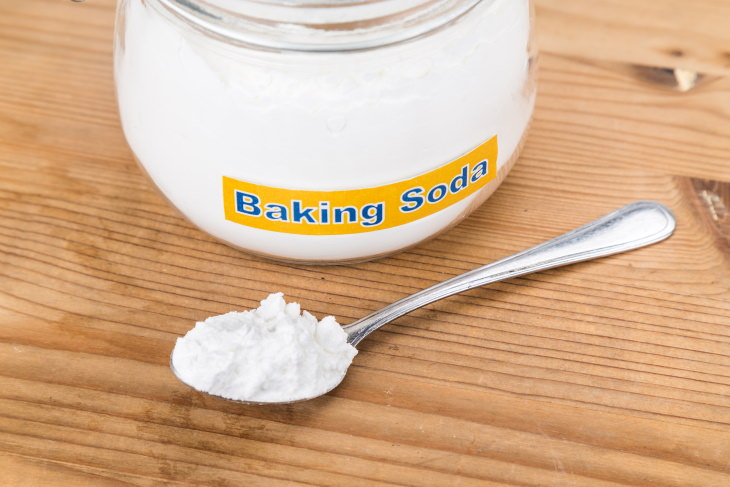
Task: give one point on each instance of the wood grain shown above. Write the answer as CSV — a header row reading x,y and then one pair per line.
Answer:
x,y
607,373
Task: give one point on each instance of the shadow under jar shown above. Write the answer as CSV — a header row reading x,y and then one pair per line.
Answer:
x,y
325,130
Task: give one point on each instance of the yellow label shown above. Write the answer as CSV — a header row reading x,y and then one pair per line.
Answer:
x,y
359,210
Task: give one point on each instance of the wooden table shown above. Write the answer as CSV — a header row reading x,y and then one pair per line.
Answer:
x,y
613,372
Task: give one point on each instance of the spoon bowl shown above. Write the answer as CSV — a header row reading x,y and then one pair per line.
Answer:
x,y
636,225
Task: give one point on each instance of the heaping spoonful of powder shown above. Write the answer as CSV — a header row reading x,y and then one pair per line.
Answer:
x,y
275,353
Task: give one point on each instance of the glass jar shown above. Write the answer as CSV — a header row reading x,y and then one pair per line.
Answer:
x,y
325,130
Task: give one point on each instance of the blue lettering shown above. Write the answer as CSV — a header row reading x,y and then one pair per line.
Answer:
x,y
276,212
460,182
248,204
373,214
299,214
479,170
347,211
412,199
437,193
324,208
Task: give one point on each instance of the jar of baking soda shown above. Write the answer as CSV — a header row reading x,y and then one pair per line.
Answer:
x,y
325,130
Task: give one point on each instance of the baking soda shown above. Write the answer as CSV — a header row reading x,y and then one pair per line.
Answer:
x,y
196,109
275,353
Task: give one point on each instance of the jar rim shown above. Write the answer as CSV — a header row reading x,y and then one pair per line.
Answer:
x,y
320,25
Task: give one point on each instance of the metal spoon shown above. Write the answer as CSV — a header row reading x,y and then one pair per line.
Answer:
x,y
631,227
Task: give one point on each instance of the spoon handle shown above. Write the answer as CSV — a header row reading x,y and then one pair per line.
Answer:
x,y
636,225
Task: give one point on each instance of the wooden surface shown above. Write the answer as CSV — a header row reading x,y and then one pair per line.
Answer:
x,y
609,373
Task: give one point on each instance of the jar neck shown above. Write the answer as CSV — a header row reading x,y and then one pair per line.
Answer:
x,y
320,25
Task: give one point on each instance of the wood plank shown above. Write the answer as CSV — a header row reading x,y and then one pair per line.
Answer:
x,y
605,374
665,33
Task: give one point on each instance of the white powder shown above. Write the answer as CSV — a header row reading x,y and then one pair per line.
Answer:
x,y
271,354
195,109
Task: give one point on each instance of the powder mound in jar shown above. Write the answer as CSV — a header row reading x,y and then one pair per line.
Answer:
x,y
273,353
